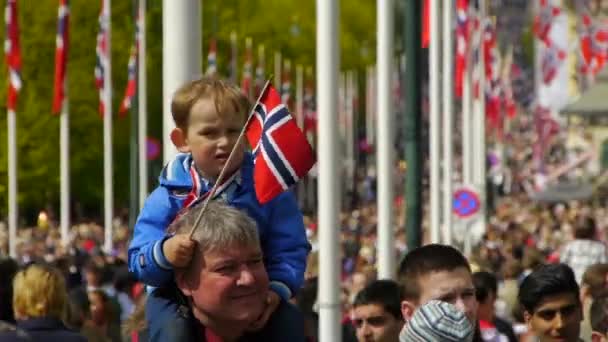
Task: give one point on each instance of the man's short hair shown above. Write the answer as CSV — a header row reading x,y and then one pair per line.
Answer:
x,y
385,293
599,315
485,283
547,280
221,226
595,279
425,260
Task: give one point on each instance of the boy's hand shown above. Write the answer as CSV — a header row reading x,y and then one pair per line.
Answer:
x,y
272,302
178,250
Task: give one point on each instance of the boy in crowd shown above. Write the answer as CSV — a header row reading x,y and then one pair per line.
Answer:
x,y
376,313
209,115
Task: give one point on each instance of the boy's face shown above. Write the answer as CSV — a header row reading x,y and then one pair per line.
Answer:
x,y
557,318
210,138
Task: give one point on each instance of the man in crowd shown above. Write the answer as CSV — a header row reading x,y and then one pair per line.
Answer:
x,y
376,313
549,297
599,319
492,328
436,272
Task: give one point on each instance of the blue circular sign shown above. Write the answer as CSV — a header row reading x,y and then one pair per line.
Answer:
x,y
465,203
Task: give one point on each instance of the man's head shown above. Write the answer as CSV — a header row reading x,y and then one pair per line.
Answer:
x,y
550,299
376,312
599,319
226,280
209,114
436,272
485,291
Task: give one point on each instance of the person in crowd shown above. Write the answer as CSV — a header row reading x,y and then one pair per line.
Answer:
x,y
438,321
209,114
8,269
104,315
493,328
594,285
599,319
224,290
584,250
79,316
551,303
39,306
376,313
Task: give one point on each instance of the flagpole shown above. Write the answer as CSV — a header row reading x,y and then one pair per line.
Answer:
x,y
277,70
107,135
467,146
448,98
64,157
142,107
12,182
384,150
328,61
434,103
300,120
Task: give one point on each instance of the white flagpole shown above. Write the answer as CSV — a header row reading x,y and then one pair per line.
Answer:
x,y
142,107
64,161
277,71
12,183
448,98
384,151
434,97
350,129
467,146
300,120
328,61
108,182
182,58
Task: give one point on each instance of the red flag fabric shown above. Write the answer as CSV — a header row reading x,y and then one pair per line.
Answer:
x,y
131,90
551,60
12,53
282,155
101,52
544,20
462,44
61,54
426,24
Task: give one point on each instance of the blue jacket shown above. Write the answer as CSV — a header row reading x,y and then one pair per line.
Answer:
x,y
280,226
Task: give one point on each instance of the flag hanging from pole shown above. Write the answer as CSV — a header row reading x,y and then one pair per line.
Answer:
x,y
12,53
282,155
462,44
246,84
543,20
212,58
131,90
61,54
101,52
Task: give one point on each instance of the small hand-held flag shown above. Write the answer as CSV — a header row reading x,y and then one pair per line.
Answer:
x,y
61,54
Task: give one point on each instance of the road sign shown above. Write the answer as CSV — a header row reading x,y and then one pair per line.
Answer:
x,y
466,202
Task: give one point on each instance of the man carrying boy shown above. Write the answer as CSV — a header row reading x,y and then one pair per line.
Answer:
x,y
209,115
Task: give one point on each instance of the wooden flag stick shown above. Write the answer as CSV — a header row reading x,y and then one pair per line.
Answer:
x,y
221,177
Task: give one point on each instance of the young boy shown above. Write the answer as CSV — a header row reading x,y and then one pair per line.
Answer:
x,y
209,114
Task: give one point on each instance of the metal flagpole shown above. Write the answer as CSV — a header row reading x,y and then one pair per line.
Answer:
x,y
467,146
12,182
384,151
107,134
277,70
64,161
448,97
300,120
434,95
142,107
328,60
181,57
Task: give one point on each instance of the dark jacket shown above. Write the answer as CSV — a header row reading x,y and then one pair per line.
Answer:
x,y
41,329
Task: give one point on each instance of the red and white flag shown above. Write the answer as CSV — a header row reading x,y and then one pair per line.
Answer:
x,y
61,54
131,90
543,21
102,56
282,155
462,44
551,60
12,53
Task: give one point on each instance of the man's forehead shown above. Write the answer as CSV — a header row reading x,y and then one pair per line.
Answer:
x,y
232,253
370,309
557,301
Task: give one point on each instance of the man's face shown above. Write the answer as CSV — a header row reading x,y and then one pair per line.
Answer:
x,y
455,287
557,318
227,284
210,138
374,324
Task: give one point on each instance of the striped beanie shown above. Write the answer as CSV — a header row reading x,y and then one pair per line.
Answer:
x,y
437,321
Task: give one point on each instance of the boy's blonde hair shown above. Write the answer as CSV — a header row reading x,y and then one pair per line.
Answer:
x,y
39,291
227,98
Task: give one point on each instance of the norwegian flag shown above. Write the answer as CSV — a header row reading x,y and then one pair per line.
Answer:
x,y
102,54
125,104
544,20
246,84
286,83
61,54
212,58
492,74
552,58
593,43
282,154
510,106
462,43
12,53
259,71
426,24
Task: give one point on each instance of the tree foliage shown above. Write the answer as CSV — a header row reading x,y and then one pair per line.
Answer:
x,y
281,25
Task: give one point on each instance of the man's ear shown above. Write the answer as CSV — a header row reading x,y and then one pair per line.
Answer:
x,y
527,317
183,283
178,137
407,310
